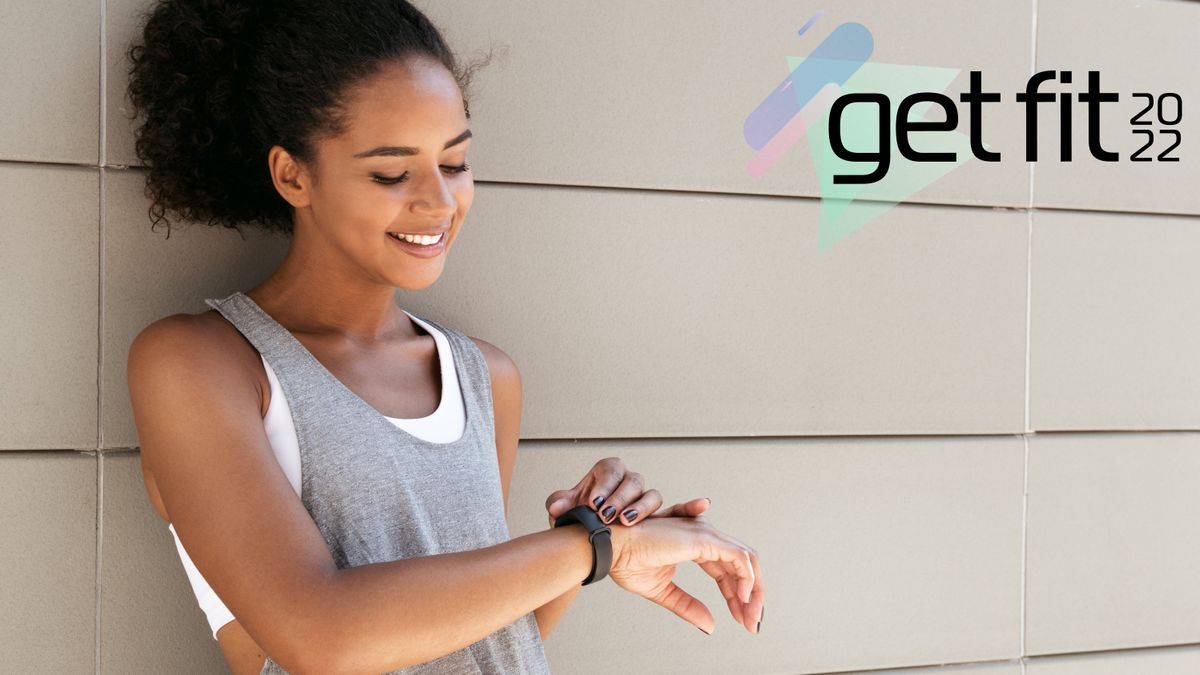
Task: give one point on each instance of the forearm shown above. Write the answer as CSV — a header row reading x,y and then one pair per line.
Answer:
x,y
549,614
386,616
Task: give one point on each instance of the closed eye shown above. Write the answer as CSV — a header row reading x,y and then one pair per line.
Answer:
x,y
393,180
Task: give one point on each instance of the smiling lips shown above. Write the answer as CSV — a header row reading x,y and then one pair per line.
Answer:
x,y
420,245
419,239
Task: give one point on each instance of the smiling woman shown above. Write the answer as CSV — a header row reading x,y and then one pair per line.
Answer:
x,y
328,521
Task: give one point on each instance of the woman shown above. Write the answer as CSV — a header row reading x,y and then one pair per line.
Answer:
x,y
347,527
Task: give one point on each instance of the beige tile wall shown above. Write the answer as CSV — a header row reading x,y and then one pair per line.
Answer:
x,y
966,436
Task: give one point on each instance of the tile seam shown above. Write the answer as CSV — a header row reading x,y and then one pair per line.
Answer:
x,y
102,158
1024,542
99,548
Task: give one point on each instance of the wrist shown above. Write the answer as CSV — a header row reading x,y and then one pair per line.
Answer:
x,y
599,537
585,545
619,537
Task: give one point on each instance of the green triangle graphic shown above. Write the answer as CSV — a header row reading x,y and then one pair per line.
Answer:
x,y
846,208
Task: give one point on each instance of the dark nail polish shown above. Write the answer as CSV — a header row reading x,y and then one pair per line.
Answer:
x,y
630,514
703,631
608,513
598,501
758,627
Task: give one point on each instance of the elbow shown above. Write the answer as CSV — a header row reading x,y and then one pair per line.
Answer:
x,y
315,643
330,660
315,657
304,655
322,664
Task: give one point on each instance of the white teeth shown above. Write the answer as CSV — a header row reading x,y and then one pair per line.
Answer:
x,y
422,239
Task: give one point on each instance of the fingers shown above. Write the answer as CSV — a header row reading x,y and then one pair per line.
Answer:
x,y
617,497
726,549
757,595
726,580
558,503
694,507
605,477
642,507
753,607
749,603
687,607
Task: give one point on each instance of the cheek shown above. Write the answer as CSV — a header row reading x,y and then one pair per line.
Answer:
x,y
330,198
464,196
358,208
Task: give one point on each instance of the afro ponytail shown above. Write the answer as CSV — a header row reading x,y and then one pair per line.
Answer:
x,y
218,82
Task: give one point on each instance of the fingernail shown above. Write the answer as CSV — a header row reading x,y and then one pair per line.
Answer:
x,y
630,514
761,613
608,513
703,631
598,501
758,628
709,500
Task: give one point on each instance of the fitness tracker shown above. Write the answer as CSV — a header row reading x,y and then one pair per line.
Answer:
x,y
598,534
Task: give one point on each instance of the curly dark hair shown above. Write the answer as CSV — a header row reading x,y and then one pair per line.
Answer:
x,y
221,81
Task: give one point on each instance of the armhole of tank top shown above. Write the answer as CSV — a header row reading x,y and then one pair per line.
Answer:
x,y
269,390
447,366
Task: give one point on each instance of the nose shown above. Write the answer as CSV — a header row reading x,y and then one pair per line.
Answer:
x,y
432,196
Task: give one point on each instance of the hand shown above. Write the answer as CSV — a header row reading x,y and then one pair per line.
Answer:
x,y
617,487
645,558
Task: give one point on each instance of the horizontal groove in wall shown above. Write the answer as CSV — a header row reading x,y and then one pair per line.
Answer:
x,y
1120,650
846,437
42,164
893,669
1024,659
698,193
26,452
692,439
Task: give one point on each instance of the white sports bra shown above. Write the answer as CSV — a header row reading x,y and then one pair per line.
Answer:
x,y
444,425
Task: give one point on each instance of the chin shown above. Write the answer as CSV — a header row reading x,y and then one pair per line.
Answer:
x,y
417,281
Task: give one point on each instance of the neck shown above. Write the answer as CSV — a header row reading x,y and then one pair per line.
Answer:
x,y
310,296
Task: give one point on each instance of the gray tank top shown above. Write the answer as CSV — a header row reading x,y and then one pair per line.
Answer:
x,y
378,493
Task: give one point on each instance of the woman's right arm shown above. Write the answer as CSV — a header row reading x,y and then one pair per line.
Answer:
x,y
201,436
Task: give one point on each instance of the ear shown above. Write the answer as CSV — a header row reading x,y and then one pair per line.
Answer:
x,y
291,177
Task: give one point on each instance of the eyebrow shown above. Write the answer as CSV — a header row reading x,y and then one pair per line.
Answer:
x,y
407,151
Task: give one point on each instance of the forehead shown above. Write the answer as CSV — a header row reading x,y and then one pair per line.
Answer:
x,y
416,102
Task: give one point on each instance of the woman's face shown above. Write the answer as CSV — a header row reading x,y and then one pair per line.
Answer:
x,y
397,169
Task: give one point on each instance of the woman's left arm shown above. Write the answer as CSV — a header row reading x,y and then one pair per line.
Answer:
x,y
609,488
506,407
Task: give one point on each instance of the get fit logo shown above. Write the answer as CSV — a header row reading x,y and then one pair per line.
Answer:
x,y
838,99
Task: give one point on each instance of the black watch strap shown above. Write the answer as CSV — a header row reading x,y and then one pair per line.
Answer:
x,y
598,534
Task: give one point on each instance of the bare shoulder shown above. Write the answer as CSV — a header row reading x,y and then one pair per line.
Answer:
x,y
501,366
164,336
205,345
182,332
173,346
191,348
